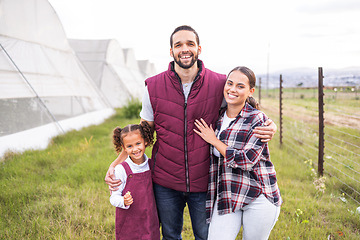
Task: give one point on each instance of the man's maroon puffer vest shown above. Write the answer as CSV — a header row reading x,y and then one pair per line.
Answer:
x,y
180,158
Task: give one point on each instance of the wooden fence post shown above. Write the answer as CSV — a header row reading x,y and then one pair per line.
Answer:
x,y
321,124
260,92
280,107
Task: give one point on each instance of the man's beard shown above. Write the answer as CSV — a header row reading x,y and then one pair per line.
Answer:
x,y
194,59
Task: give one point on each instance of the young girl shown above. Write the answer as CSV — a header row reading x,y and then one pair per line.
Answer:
x,y
243,189
136,214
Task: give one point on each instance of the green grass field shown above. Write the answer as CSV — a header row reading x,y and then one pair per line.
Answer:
x,y
59,192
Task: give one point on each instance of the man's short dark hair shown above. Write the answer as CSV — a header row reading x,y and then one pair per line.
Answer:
x,y
184,28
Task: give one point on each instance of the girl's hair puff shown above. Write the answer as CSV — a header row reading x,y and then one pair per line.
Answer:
x,y
120,133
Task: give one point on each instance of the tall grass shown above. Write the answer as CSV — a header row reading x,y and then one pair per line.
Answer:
x,y
59,193
314,207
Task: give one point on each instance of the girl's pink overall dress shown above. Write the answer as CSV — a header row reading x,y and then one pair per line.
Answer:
x,y
140,220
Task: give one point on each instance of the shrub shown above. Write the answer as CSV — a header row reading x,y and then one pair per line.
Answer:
x,y
132,109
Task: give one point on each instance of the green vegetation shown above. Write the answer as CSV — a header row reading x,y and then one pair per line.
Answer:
x,y
313,208
59,193
132,109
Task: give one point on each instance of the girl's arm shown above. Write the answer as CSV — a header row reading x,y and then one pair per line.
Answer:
x,y
249,155
207,133
109,177
244,158
117,198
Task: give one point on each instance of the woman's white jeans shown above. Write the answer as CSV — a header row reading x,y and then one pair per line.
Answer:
x,y
258,218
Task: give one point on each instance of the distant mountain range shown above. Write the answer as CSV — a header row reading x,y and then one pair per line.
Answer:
x,y
308,77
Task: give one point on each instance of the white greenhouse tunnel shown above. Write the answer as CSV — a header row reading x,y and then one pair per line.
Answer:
x,y
45,88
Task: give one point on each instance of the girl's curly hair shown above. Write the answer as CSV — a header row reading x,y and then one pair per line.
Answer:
x,y
120,133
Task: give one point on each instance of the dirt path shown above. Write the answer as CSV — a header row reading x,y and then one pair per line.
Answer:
x,y
331,117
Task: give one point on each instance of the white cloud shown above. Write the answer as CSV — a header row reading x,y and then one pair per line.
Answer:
x,y
232,32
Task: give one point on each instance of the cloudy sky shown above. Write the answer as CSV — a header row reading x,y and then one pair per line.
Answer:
x,y
261,34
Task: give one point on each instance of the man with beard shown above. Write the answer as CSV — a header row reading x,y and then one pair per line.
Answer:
x,y
180,158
